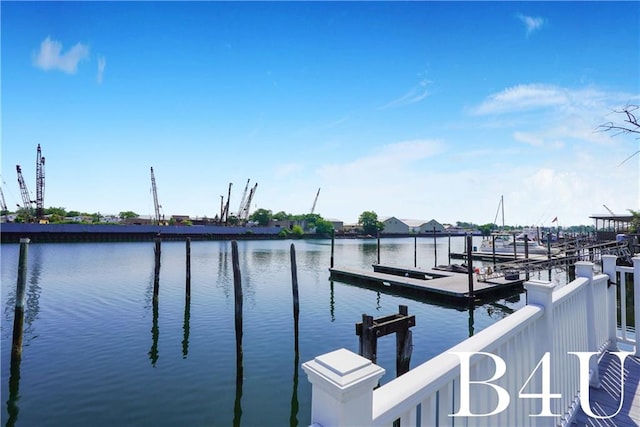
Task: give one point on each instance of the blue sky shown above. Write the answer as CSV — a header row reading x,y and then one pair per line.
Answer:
x,y
416,110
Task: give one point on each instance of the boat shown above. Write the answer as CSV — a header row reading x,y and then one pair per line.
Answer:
x,y
503,245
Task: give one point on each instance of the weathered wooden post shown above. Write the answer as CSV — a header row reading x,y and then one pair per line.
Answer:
x,y
404,345
493,250
188,266
469,265
237,288
368,341
294,287
156,274
415,251
526,255
449,250
515,247
378,248
293,420
371,329
333,240
435,249
18,316
549,251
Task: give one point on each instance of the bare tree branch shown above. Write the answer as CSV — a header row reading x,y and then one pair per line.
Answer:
x,y
630,125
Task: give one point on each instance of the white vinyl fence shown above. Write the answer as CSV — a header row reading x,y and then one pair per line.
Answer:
x,y
521,371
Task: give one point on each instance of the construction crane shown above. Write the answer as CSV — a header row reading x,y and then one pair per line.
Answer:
x,y
26,198
244,212
224,215
313,207
155,198
3,204
39,185
609,210
244,198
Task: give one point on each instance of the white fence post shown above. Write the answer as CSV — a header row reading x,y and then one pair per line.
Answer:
x,y
636,301
342,388
584,269
609,268
540,293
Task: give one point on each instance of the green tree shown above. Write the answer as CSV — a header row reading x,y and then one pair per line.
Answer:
x,y
261,216
127,214
323,226
73,213
369,222
297,231
281,216
486,229
60,212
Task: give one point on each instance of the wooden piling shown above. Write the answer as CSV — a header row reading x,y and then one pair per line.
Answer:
x,y
237,288
435,249
526,254
156,274
415,251
371,329
18,318
378,246
294,288
333,240
449,250
515,247
404,346
188,267
469,265
368,340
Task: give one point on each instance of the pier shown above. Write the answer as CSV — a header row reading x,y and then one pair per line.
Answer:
x,y
428,282
541,338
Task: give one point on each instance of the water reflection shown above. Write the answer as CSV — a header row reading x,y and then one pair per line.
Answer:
x,y
185,327
32,303
332,302
14,391
155,334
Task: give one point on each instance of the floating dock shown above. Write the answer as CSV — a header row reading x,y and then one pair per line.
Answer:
x,y
428,282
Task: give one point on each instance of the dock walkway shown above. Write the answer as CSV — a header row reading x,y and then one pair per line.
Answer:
x,y
432,282
606,399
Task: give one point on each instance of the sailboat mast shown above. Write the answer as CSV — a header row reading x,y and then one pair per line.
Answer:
x,y
502,204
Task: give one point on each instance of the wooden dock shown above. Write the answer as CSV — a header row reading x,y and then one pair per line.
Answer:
x,y
436,283
605,400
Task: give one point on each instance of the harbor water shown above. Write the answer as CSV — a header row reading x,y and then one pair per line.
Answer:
x,y
97,351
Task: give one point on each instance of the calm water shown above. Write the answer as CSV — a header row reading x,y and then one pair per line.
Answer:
x,y
97,353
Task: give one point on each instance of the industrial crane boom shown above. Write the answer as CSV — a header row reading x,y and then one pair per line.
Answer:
x,y
244,198
24,192
244,215
155,196
39,185
313,207
4,203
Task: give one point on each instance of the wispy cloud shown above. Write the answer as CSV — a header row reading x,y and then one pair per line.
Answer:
x,y
102,63
51,57
415,94
400,154
522,97
532,23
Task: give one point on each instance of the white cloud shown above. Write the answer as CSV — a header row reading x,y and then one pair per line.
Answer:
x,y
50,56
532,23
288,169
415,94
523,97
102,63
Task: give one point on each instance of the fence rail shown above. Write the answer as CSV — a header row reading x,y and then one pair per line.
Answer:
x,y
485,380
